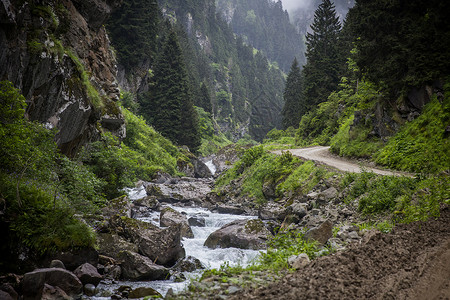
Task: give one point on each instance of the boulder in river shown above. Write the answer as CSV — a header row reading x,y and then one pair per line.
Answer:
x,y
184,189
33,282
142,292
188,264
197,221
111,244
243,234
169,217
87,273
139,267
161,245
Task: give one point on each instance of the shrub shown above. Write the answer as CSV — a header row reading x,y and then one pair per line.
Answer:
x,y
421,145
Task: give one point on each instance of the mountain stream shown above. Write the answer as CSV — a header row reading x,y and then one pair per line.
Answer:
x,y
210,258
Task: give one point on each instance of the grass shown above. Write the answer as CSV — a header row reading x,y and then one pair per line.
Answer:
x,y
421,145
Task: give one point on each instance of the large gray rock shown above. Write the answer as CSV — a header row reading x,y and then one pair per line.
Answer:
x,y
272,211
51,82
57,264
139,267
170,217
320,234
162,245
243,234
189,264
6,296
110,244
87,273
201,170
119,206
298,209
33,282
53,293
197,221
183,190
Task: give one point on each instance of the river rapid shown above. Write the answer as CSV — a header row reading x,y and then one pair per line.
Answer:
x,y
210,258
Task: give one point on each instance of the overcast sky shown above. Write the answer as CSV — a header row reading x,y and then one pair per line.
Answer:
x,y
292,5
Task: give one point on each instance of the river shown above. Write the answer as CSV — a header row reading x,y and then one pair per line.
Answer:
x,y
210,258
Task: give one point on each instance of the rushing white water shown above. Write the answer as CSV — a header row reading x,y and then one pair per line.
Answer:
x,y
211,166
136,193
210,258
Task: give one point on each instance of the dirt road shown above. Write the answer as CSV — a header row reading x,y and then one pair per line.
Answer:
x,y
322,155
411,262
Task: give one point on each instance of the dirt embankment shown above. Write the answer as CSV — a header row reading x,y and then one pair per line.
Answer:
x,y
411,262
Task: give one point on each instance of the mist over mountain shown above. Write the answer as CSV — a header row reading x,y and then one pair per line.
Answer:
x,y
301,12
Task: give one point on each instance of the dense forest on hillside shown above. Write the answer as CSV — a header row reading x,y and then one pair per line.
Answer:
x,y
245,91
364,81
265,26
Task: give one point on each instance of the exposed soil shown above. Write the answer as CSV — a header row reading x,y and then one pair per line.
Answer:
x,y
321,154
411,262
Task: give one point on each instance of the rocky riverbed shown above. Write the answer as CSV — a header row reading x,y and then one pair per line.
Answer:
x,y
166,232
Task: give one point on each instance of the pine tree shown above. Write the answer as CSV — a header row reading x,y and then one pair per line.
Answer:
x,y
205,98
133,29
169,105
321,72
293,107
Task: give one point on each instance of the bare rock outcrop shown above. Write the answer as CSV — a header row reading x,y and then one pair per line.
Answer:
x,y
58,55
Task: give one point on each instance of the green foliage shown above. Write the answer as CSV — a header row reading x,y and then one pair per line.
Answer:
x,y
127,100
405,199
80,186
44,226
382,192
133,29
396,54
251,155
354,141
212,138
119,165
426,199
421,145
284,245
302,179
285,172
38,205
156,149
320,124
280,139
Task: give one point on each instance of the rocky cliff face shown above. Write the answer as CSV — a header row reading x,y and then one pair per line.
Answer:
x,y
57,53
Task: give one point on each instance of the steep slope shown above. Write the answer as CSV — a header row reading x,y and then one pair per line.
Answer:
x,y
245,90
57,53
265,26
302,14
